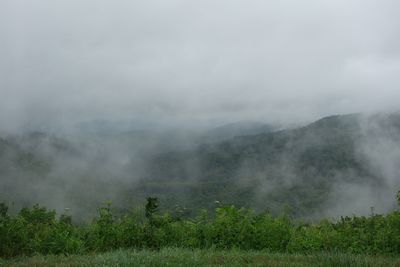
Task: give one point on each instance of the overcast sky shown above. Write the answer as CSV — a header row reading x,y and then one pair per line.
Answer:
x,y
67,60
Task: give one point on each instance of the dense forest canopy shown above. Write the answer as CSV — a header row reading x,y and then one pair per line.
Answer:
x,y
337,165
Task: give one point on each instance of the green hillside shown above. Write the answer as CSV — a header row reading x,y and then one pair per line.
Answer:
x,y
296,168
339,162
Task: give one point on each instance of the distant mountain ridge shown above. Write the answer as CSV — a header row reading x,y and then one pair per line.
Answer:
x,y
301,167
334,165
241,128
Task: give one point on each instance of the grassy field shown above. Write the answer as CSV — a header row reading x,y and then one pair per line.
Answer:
x,y
185,257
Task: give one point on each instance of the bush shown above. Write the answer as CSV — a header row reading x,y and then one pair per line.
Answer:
x,y
36,230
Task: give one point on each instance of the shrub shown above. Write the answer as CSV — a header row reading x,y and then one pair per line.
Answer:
x,y
36,230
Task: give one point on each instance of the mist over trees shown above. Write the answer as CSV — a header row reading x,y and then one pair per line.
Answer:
x,y
226,126
339,165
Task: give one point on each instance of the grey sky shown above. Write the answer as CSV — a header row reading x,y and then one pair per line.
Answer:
x,y
67,61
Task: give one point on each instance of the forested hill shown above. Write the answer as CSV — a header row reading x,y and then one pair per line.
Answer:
x,y
314,169
337,165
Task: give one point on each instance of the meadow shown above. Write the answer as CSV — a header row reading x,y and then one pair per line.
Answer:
x,y
207,257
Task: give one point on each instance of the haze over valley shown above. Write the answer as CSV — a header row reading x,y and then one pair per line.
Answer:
x,y
289,106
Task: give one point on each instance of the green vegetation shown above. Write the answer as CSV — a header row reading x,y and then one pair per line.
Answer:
x,y
187,257
297,167
309,168
37,231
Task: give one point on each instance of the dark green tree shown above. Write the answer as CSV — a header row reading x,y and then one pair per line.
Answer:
x,y
151,207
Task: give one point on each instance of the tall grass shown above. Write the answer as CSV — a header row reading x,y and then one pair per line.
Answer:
x,y
207,257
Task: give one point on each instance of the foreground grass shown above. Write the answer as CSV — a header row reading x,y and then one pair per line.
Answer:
x,y
185,257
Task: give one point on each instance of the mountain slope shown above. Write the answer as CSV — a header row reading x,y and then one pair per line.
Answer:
x,y
303,168
336,165
228,131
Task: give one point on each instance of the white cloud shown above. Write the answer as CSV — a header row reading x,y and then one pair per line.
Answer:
x,y
80,60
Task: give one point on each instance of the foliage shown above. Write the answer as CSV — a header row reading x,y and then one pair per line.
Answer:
x,y
299,167
302,167
36,230
151,207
